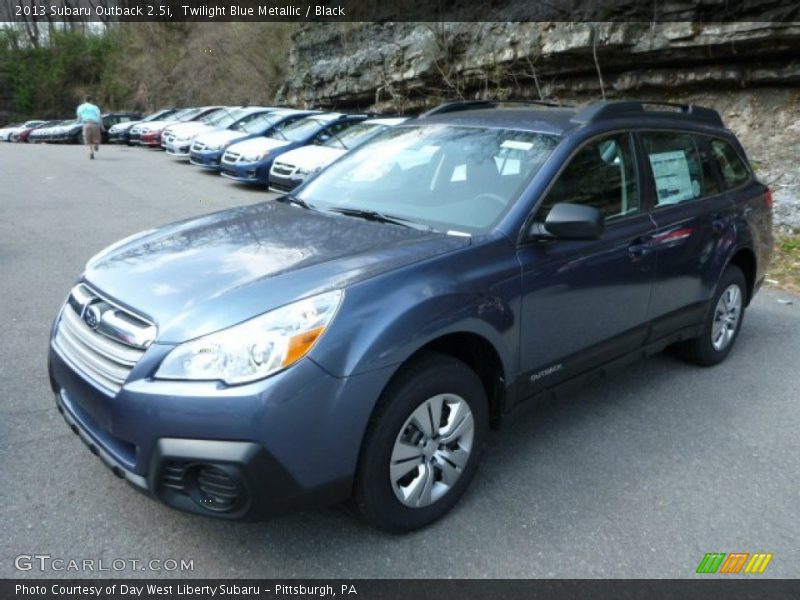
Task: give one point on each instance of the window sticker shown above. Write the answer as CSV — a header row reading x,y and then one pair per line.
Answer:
x,y
516,145
673,181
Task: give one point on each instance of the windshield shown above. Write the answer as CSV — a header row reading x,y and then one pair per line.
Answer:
x,y
223,117
446,177
255,123
300,130
161,114
352,137
186,114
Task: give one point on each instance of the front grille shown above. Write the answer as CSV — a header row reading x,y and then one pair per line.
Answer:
x,y
105,344
281,187
169,137
282,169
230,157
198,146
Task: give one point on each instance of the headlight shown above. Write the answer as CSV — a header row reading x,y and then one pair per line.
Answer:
x,y
256,348
255,157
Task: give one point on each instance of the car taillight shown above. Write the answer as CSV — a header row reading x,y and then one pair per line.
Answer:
x,y
768,198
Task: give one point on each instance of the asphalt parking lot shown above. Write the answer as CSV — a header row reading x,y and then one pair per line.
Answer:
x,y
639,476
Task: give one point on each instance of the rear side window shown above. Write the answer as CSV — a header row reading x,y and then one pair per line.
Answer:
x,y
680,166
601,174
734,172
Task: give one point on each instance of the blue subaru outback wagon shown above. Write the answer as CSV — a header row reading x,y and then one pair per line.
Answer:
x,y
358,339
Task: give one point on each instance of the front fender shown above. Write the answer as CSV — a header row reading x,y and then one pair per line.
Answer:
x,y
386,319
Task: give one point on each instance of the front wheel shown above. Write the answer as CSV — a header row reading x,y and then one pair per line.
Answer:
x,y
423,444
723,321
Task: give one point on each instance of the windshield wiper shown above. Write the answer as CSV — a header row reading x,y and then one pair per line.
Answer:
x,y
291,199
338,139
373,215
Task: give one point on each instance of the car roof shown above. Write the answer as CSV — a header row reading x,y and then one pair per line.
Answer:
x,y
545,120
550,118
334,116
387,121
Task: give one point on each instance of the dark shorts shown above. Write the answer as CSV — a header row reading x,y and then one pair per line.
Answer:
x,y
91,133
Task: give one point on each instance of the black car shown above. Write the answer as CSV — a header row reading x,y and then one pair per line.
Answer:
x,y
75,134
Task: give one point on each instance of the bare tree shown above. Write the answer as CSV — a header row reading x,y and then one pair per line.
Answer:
x,y
596,61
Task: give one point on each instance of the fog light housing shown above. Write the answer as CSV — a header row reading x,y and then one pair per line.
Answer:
x,y
216,488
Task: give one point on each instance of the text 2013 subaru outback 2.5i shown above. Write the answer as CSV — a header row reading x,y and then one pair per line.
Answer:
x,y
359,338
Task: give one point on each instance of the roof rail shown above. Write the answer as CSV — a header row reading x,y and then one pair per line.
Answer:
x,y
458,105
602,111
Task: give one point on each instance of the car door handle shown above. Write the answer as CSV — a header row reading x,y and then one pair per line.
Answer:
x,y
718,223
640,247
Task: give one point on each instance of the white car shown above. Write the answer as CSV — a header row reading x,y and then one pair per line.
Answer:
x,y
149,133
178,138
208,147
290,169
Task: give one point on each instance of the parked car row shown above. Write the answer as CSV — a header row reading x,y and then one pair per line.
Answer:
x,y
275,147
67,131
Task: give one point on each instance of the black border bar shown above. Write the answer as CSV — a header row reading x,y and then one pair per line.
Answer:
x,y
655,11
702,588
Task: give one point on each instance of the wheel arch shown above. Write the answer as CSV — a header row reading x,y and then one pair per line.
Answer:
x,y
745,259
480,355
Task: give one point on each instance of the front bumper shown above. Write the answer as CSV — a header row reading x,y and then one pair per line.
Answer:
x,y
283,184
118,137
178,149
150,139
208,159
246,172
288,442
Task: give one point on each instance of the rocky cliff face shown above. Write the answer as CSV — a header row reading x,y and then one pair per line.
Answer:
x,y
750,72
402,65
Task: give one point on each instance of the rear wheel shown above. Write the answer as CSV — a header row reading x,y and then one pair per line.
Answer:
x,y
423,444
723,321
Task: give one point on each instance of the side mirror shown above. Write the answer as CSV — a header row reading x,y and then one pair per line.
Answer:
x,y
571,222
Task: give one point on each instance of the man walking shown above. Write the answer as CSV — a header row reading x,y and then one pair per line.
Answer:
x,y
89,115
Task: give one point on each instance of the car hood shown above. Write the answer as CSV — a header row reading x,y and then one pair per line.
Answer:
x,y
124,126
257,145
311,157
158,124
213,138
189,129
204,274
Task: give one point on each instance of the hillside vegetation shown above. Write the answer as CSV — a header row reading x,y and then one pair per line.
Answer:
x,y
141,66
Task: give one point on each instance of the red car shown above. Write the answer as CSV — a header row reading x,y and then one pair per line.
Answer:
x,y
22,134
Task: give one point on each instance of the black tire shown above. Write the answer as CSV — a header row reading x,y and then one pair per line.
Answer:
x,y
429,375
701,350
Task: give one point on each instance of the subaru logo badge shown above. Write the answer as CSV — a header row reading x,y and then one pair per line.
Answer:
x,y
91,316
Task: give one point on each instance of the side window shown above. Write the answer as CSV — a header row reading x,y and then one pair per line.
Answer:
x,y
602,174
681,169
734,172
